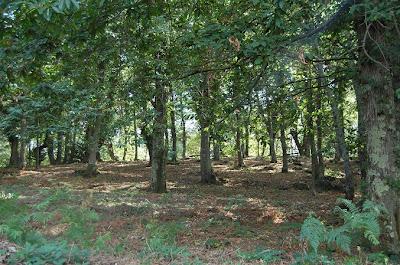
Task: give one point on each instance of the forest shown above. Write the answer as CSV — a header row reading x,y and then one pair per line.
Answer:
x,y
200,132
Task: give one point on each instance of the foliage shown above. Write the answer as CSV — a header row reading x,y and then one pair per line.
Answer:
x,y
357,221
161,241
50,252
267,256
16,219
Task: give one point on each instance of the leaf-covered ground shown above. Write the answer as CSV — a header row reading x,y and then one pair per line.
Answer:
x,y
249,211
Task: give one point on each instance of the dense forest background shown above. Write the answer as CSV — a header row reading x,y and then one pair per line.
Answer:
x,y
176,85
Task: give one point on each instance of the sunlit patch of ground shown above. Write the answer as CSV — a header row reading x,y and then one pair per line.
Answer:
x,y
256,205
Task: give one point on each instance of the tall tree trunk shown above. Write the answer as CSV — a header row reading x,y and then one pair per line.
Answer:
x,y
295,136
50,148
362,141
247,140
378,97
216,150
72,155
22,146
239,153
60,137
159,154
37,152
136,158
206,170
173,130
207,175
183,128
67,148
93,145
340,139
14,154
311,138
285,164
263,145
318,122
126,138
110,150
271,131
258,148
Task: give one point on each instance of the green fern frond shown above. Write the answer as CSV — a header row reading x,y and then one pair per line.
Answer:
x,y
313,231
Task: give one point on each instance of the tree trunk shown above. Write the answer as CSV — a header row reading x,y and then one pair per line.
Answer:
x,y
126,136
93,146
59,147
285,164
50,148
22,146
67,148
295,136
72,155
14,154
37,153
207,175
238,147
340,139
311,139
158,163
263,145
110,150
173,132
271,131
216,151
247,140
378,97
318,103
136,158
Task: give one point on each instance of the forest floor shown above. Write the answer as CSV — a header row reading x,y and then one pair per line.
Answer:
x,y
256,208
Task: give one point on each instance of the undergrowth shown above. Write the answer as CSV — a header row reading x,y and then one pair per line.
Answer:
x,y
24,224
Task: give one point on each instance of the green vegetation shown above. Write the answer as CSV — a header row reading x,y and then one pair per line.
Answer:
x,y
229,117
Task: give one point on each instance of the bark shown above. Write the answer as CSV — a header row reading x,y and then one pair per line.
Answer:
x,y
22,146
285,164
246,140
60,137
340,139
14,154
271,132
318,122
173,132
183,127
295,136
263,147
37,153
93,146
67,148
50,148
239,153
362,137
207,175
110,150
126,142
216,151
381,119
136,158
159,153
206,171
72,155
311,139
148,138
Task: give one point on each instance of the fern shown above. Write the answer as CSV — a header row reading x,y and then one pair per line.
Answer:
x,y
363,221
313,231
